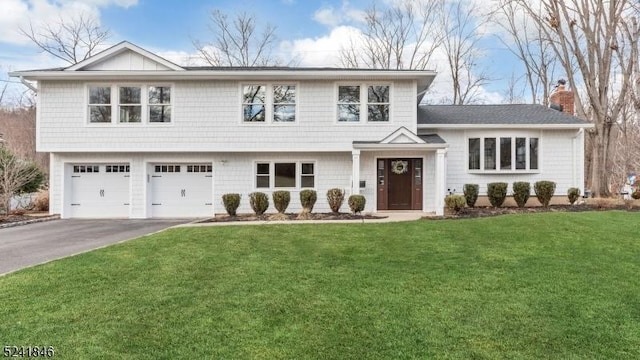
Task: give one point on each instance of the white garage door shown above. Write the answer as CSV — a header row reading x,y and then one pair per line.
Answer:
x,y
99,191
181,190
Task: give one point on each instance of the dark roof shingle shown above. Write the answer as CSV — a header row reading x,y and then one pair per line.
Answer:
x,y
510,114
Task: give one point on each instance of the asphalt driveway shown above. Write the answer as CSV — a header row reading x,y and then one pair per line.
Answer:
x,y
24,246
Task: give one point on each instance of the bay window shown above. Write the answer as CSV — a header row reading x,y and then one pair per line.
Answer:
x,y
502,154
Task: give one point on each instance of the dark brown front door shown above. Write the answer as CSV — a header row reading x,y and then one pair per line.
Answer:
x,y
399,184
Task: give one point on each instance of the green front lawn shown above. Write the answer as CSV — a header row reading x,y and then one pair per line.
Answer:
x,y
552,285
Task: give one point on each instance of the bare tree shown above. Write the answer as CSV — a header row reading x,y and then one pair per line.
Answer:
x,y
402,37
71,40
526,41
18,127
461,24
16,176
237,42
587,33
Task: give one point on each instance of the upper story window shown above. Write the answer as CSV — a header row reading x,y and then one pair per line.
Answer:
x,y
274,103
159,104
503,153
363,102
99,104
133,104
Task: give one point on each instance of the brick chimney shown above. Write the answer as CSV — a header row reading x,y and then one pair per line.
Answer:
x,y
562,98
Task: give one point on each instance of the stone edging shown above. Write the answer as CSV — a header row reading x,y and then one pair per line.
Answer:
x,y
32,221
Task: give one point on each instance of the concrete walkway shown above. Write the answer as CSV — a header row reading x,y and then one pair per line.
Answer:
x,y
391,216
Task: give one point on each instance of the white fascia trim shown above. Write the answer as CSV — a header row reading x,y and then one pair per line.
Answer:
x,y
192,150
400,146
248,75
505,126
402,131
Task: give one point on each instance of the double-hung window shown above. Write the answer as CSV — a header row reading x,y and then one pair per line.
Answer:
x,y
285,174
364,102
99,104
503,153
124,104
268,103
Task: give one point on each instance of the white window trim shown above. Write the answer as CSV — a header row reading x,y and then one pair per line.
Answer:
x,y
513,169
364,111
269,104
115,104
272,179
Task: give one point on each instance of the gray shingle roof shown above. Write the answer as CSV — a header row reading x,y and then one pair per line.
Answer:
x,y
511,114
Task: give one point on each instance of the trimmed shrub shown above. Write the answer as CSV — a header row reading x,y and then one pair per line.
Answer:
x,y
521,192
259,202
636,194
544,191
455,202
357,203
281,199
497,192
471,192
573,194
335,198
308,199
231,203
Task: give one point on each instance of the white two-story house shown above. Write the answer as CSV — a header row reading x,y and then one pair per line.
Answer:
x,y
132,135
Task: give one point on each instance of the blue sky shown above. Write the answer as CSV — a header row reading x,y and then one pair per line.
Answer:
x,y
309,29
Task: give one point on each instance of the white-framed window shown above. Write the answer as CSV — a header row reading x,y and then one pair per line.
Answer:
x,y
99,104
129,103
269,103
285,174
363,103
503,153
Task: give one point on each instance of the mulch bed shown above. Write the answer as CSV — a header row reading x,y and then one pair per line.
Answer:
x,y
14,218
477,212
287,217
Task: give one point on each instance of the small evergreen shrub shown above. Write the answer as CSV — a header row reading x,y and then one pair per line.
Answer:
x,y
259,202
544,191
636,194
455,202
231,203
471,192
521,192
308,199
281,199
573,194
335,198
357,203
497,192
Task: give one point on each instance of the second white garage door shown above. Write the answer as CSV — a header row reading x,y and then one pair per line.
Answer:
x,y
181,190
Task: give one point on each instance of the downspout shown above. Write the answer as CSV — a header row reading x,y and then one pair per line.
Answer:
x,y
25,83
576,176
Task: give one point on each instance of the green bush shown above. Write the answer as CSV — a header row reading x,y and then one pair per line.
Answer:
x,y
357,203
335,198
231,203
308,199
281,199
544,191
636,194
455,202
573,194
259,202
521,192
497,192
471,192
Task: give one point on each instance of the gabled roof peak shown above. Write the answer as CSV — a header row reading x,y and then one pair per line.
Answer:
x,y
118,49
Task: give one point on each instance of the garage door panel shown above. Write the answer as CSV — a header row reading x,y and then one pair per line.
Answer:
x,y
96,193
181,190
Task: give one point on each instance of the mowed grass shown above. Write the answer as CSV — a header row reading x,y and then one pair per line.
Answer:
x,y
553,285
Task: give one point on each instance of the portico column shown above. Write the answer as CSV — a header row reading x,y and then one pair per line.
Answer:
x,y
355,172
441,179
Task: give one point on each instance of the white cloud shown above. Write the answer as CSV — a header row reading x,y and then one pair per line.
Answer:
x,y
332,17
321,51
18,14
